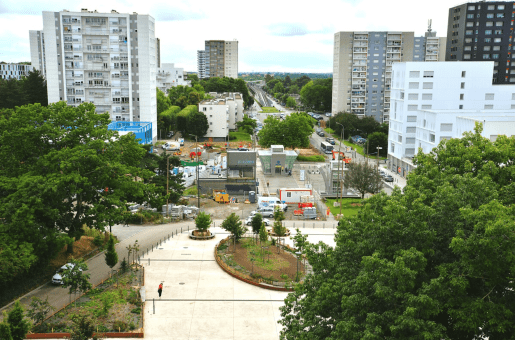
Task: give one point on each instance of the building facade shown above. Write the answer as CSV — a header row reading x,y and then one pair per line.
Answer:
x,y
37,51
14,71
222,112
218,59
362,68
108,59
483,31
432,102
169,76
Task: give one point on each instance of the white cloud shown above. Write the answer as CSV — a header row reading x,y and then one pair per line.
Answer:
x,y
272,35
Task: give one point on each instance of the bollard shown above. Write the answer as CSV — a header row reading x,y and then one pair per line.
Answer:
x,y
181,230
149,261
313,225
304,225
154,302
323,225
188,228
152,248
293,225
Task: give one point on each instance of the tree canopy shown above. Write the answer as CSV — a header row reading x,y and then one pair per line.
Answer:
x,y
293,131
432,262
29,90
227,84
362,177
374,140
353,125
318,94
62,169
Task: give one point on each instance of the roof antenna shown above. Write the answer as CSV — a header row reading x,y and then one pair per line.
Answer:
x,y
429,22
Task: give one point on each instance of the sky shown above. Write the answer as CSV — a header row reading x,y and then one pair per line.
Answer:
x,y
276,36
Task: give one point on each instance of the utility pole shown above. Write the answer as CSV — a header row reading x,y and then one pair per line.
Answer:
x,y
167,186
340,158
198,184
378,148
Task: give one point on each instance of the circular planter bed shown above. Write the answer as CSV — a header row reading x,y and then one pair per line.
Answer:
x,y
268,267
202,235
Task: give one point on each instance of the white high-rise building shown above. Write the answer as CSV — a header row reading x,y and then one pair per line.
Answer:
x,y
441,100
37,51
108,59
14,71
362,68
218,59
223,111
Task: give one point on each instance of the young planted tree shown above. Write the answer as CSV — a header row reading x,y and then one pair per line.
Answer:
x,y
5,330
74,277
82,328
111,256
257,222
203,222
39,310
263,234
363,177
234,225
18,325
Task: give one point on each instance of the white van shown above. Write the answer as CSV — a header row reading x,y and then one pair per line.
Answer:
x,y
271,202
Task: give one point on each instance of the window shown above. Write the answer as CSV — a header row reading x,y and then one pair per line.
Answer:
x,y
500,7
488,32
470,16
412,107
411,129
446,127
427,96
486,56
469,32
486,48
414,74
427,85
497,48
462,96
499,23
497,40
466,56
399,138
513,96
392,147
499,15
491,7
467,48
489,107
490,16
413,96
498,32
432,138
426,107
411,119
410,140
410,151
413,85
489,23
495,56
489,96
428,74
468,40
461,107
463,74
472,8
488,40
288,194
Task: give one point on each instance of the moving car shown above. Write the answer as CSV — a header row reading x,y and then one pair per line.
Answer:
x,y
330,140
57,279
321,133
388,178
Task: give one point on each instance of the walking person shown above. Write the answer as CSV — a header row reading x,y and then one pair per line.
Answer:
x,y
160,289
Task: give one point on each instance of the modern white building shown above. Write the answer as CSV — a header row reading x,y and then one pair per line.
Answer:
x,y
362,68
436,101
14,71
108,59
37,51
222,112
218,59
169,76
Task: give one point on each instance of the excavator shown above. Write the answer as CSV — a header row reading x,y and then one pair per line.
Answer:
x,y
344,159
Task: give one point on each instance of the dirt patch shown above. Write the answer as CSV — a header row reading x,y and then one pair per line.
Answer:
x,y
282,263
312,151
80,248
356,204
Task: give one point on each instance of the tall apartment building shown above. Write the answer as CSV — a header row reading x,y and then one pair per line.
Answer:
x,y
169,76
222,112
362,68
108,59
14,71
483,31
436,101
218,59
37,51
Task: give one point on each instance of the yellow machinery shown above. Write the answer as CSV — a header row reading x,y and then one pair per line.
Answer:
x,y
220,196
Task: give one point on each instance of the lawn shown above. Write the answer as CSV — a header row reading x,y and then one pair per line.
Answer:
x,y
350,206
268,109
239,136
190,191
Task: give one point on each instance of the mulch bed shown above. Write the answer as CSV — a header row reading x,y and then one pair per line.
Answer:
x,y
288,260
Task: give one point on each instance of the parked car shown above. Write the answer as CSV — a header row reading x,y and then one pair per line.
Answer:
x,y
57,279
328,114
170,134
243,149
321,133
248,221
388,178
382,173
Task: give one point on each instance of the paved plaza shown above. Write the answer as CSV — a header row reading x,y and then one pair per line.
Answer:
x,y
201,301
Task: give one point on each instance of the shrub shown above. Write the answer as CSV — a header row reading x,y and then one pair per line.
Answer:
x,y
102,329
119,326
136,310
98,240
132,326
315,158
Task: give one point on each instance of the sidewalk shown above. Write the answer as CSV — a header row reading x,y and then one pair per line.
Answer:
x,y
397,180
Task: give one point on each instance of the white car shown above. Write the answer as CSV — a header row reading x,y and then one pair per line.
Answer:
x,y
57,279
248,221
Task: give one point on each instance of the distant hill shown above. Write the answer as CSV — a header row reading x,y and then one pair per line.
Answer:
x,y
247,76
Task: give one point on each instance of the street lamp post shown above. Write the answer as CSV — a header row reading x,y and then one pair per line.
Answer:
x,y
198,184
298,255
378,148
339,157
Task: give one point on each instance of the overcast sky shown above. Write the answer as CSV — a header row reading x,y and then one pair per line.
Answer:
x,y
290,36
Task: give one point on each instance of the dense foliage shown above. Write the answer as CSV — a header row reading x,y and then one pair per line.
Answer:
x,y
293,131
353,125
226,84
29,90
363,178
435,261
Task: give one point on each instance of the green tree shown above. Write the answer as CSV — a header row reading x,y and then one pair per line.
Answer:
x,y
294,89
5,330
278,88
16,256
257,222
34,88
111,256
287,81
39,309
300,241
12,94
74,277
203,221
18,325
82,329
234,225
263,234
294,131
290,102
158,163
163,102
432,262
362,177
197,124
70,170
374,140
248,125
317,94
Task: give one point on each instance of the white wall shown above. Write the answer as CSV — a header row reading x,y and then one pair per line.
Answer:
x,y
52,67
217,115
